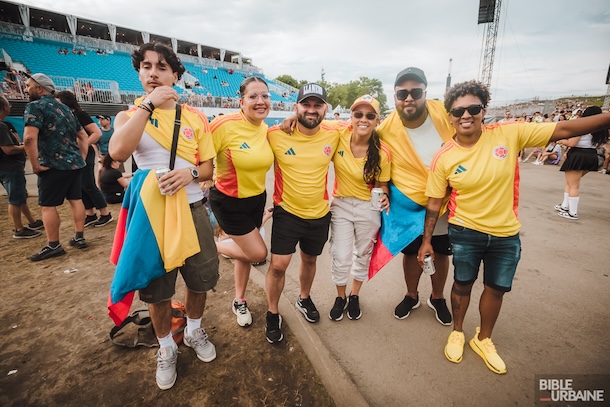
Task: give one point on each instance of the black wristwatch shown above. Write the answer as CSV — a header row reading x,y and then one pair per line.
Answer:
x,y
194,173
149,103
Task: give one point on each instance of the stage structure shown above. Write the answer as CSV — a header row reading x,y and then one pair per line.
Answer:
x,y
489,14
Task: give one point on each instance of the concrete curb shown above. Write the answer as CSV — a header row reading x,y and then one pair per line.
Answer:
x,y
336,380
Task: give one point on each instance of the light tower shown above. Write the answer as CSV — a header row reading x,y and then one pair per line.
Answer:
x,y
448,84
489,13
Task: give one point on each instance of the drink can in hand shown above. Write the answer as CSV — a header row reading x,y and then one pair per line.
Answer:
x,y
429,265
376,194
160,172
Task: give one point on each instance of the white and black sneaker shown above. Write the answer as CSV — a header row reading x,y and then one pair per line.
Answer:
x,y
241,311
308,309
560,208
568,215
336,313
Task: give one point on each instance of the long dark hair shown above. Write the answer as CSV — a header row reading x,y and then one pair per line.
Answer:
x,y
597,137
67,98
372,167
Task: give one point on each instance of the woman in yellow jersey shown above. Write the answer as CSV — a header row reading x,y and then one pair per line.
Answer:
x,y
362,162
238,198
479,167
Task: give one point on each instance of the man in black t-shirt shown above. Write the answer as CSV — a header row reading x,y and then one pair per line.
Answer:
x,y
12,176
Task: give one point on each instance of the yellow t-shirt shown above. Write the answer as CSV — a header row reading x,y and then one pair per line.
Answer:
x,y
349,170
485,178
301,170
243,155
409,173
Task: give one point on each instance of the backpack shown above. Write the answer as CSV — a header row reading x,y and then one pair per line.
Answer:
x,y
144,334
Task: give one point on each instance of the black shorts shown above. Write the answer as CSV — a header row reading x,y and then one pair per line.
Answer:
x,y
440,244
237,216
200,271
56,185
289,229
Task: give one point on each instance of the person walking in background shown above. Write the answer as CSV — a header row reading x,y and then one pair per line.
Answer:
x,y
102,144
112,181
56,145
301,213
581,158
166,225
243,157
361,162
92,196
483,224
12,177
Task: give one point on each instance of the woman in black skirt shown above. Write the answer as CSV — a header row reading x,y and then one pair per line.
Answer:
x,y
581,158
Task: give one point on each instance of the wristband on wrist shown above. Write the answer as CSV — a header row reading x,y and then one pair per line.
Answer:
x,y
144,107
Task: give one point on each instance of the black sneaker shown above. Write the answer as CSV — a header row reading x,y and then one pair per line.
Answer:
x,y
37,225
90,220
308,309
103,221
26,233
273,328
353,307
336,313
79,243
47,252
440,309
404,308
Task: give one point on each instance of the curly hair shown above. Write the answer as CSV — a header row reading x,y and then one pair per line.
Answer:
x,y
473,87
599,137
372,168
166,52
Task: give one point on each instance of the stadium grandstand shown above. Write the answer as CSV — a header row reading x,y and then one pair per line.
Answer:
x,y
92,59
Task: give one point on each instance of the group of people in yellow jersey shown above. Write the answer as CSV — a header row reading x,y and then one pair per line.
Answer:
x,y
424,151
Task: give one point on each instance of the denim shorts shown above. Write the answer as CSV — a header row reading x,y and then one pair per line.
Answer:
x,y
14,183
500,256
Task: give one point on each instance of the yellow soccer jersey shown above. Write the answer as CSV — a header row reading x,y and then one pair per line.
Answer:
x,y
349,177
301,170
243,155
484,179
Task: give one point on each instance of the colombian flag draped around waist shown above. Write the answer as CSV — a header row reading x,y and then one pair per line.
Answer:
x,y
399,228
155,234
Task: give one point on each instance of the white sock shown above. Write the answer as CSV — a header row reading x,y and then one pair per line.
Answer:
x,y
573,205
565,203
167,341
192,325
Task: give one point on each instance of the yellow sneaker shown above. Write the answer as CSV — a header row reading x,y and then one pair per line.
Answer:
x,y
486,350
454,350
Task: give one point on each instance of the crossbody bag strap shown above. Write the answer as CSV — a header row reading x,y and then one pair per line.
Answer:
x,y
172,155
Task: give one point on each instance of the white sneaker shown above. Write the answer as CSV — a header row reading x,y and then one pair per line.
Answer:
x,y
603,171
205,350
568,215
240,309
166,367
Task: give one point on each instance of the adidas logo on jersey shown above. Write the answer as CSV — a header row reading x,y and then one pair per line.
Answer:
x,y
460,169
290,151
341,153
245,145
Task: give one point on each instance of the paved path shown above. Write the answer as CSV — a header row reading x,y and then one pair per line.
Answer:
x,y
553,322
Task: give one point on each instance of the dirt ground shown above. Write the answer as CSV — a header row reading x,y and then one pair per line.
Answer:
x,y
56,349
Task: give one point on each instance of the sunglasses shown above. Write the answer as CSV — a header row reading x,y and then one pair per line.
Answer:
x,y
473,110
369,116
403,94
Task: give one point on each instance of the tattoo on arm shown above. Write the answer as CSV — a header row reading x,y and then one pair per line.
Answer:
x,y
460,291
430,222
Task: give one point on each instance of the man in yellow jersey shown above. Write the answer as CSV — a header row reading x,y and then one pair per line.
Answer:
x,y
414,132
301,212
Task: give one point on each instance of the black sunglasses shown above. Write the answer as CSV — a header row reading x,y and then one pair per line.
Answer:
x,y
369,116
403,94
472,110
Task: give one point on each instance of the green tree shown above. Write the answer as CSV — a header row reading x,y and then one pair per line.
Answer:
x,y
288,80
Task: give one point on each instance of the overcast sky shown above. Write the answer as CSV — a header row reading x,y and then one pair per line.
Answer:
x,y
545,48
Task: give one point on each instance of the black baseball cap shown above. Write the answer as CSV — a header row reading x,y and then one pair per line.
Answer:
x,y
411,73
311,90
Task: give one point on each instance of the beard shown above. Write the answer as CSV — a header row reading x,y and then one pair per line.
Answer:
x,y
33,96
408,117
309,122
